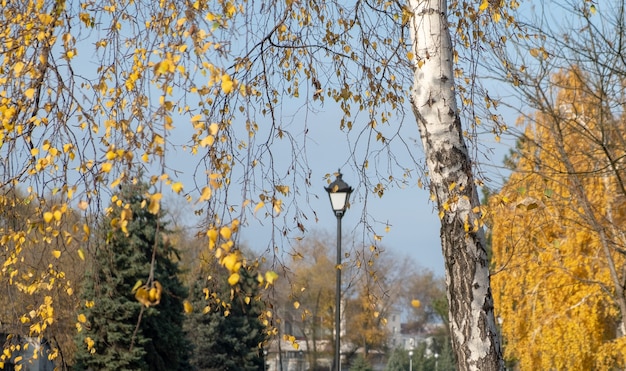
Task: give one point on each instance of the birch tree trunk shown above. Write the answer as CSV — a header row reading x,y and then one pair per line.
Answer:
x,y
475,339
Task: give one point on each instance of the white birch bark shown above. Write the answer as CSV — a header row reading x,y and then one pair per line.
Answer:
x,y
475,339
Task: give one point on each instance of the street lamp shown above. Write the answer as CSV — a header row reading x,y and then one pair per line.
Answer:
x,y
411,360
339,193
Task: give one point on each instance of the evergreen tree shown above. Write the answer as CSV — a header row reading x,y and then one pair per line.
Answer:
x,y
361,364
224,327
398,360
118,332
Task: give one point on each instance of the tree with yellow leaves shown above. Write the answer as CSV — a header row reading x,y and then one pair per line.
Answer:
x,y
45,266
557,224
557,236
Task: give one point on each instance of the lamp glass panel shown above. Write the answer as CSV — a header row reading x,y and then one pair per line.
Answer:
x,y
338,200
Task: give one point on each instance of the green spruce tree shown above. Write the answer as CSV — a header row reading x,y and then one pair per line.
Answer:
x,y
118,332
224,326
361,364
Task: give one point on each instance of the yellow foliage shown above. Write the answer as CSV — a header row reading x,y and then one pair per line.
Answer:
x,y
552,280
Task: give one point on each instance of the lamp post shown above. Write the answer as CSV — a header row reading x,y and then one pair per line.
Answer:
x,y
339,193
411,360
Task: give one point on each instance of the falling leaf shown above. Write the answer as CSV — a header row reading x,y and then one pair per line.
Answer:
x,y
187,306
415,303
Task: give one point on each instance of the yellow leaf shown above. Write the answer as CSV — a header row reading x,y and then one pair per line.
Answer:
x,y
82,318
206,194
90,344
213,128
227,83
225,232
29,93
484,5
137,285
258,206
18,67
106,167
232,263
164,67
187,306
47,216
56,253
57,215
233,279
415,303
143,296
296,304
110,155
212,234
270,277
207,141
155,203
177,187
